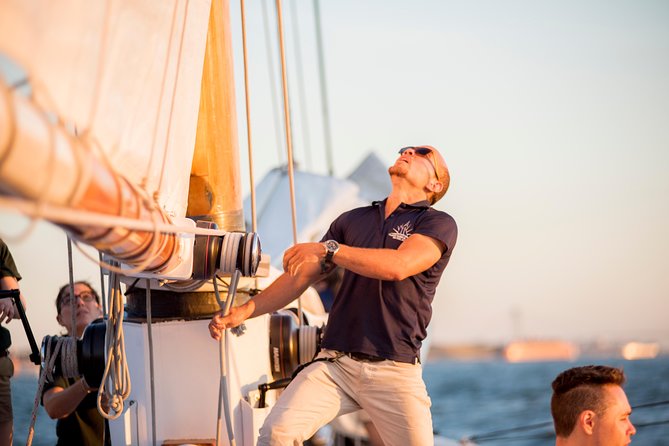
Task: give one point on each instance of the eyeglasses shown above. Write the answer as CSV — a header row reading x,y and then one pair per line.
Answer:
x,y
425,152
85,296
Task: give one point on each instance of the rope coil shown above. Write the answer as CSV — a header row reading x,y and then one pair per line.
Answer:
x,y
68,358
230,252
239,252
116,377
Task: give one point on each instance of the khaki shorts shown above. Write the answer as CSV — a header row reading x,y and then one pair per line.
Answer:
x,y
6,372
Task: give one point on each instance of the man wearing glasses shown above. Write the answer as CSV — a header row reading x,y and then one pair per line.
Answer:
x,y
393,253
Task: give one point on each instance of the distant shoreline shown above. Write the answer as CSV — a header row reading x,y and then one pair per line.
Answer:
x,y
460,352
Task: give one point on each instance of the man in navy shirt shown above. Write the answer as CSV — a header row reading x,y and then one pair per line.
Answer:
x,y
393,253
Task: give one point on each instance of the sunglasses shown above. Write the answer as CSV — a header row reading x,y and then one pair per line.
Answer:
x,y
425,153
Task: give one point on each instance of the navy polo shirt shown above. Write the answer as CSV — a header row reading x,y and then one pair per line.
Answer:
x,y
379,317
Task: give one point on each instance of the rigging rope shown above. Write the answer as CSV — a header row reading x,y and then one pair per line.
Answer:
x,y
19,83
653,404
302,95
73,298
502,434
102,58
223,391
78,150
150,203
499,433
116,378
48,363
324,98
247,100
184,286
651,423
103,294
151,380
272,86
64,215
66,345
153,251
162,89
36,208
289,146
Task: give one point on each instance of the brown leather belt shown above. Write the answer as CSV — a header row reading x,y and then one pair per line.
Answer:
x,y
364,357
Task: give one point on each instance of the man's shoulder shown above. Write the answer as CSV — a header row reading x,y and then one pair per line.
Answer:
x,y
439,215
7,265
359,211
439,225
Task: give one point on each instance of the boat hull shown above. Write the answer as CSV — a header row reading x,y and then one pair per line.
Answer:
x,y
186,376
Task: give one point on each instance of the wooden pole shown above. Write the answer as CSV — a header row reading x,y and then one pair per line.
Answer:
x,y
215,185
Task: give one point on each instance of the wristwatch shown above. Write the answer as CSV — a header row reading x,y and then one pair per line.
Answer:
x,y
331,248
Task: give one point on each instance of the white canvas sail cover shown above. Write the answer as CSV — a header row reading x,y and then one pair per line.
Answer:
x,y
320,199
125,74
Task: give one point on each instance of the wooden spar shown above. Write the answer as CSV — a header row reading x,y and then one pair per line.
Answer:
x,y
215,184
42,162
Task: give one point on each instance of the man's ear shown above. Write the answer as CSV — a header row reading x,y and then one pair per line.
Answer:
x,y
587,420
435,186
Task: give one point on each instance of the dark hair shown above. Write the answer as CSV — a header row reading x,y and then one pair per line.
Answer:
x,y
65,291
579,389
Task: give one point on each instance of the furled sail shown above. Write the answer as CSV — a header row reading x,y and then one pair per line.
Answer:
x,y
114,83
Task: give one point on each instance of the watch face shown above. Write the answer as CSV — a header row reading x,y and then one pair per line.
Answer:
x,y
332,245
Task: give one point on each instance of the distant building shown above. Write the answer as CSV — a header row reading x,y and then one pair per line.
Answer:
x,y
547,350
640,350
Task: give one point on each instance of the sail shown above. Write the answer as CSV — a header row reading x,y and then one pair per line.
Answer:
x,y
123,75
321,198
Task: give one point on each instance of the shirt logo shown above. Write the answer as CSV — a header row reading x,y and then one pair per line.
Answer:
x,y
401,232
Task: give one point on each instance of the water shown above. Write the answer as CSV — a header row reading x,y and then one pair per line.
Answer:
x,y
474,398
468,398
23,397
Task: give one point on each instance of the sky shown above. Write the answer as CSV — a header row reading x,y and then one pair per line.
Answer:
x,y
552,117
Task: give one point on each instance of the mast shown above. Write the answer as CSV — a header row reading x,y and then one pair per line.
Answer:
x,y
215,192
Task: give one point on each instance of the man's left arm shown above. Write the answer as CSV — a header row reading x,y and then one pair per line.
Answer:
x,y
415,255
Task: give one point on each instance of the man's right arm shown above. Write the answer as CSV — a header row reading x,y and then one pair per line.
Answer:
x,y
280,293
